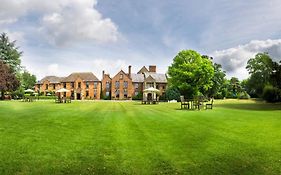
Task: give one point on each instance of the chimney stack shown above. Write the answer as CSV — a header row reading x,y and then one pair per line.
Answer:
x,y
103,74
129,71
152,68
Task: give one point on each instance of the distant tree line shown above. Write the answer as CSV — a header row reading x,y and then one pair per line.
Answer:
x,y
14,79
192,74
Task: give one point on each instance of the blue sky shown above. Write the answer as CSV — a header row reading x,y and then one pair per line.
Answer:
x,y
67,36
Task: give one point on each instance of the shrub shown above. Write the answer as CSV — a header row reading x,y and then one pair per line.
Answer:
x,y
243,95
173,93
271,94
138,97
106,97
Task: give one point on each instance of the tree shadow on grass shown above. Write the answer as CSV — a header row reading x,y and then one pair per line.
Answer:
x,y
258,106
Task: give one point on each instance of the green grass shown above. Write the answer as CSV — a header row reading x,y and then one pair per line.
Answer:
x,y
236,137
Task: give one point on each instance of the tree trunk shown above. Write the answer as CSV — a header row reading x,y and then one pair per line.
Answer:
x,y
2,95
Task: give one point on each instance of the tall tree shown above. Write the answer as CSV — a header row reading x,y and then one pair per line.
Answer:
x,y
27,80
191,73
260,70
218,88
9,52
8,80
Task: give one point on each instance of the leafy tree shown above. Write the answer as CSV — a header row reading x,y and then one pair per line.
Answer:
x,y
27,80
8,80
9,53
260,70
191,73
275,77
219,80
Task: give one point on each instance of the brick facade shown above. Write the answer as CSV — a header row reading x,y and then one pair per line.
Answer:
x,y
80,85
85,85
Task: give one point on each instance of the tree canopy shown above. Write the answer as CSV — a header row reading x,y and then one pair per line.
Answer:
x,y
191,73
27,80
9,53
8,80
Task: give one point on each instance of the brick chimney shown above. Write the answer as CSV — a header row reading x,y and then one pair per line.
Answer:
x,y
129,70
152,68
103,74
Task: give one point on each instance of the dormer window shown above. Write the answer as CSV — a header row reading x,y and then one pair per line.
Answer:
x,y
121,76
79,84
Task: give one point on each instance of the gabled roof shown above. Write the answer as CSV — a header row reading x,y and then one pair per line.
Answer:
x,y
51,79
85,76
137,78
143,70
121,71
149,78
159,78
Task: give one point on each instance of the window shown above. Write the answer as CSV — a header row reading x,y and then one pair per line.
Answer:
x,y
117,83
95,93
54,86
125,93
72,84
121,76
47,86
136,93
107,94
79,84
125,84
157,86
87,93
87,84
107,86
95,85
64,85
72,94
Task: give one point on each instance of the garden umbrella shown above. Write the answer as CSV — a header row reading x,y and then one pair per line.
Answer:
x,y
152,90
28,90
62,90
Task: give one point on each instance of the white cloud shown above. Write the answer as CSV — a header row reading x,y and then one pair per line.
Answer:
x,y
234,60
232,22
53,69
62,21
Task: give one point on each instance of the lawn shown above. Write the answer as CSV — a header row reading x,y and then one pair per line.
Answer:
x,y
236,137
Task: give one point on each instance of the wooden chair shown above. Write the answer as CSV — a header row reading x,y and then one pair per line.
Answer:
x,y
197,102
210,105
184,103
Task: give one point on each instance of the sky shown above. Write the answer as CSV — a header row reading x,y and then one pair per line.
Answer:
x,y
64,36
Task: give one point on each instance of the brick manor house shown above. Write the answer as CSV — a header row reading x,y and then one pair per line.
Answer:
x,y
85,85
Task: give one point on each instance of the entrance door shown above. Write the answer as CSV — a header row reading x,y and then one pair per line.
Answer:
x,y
149,97
78,96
